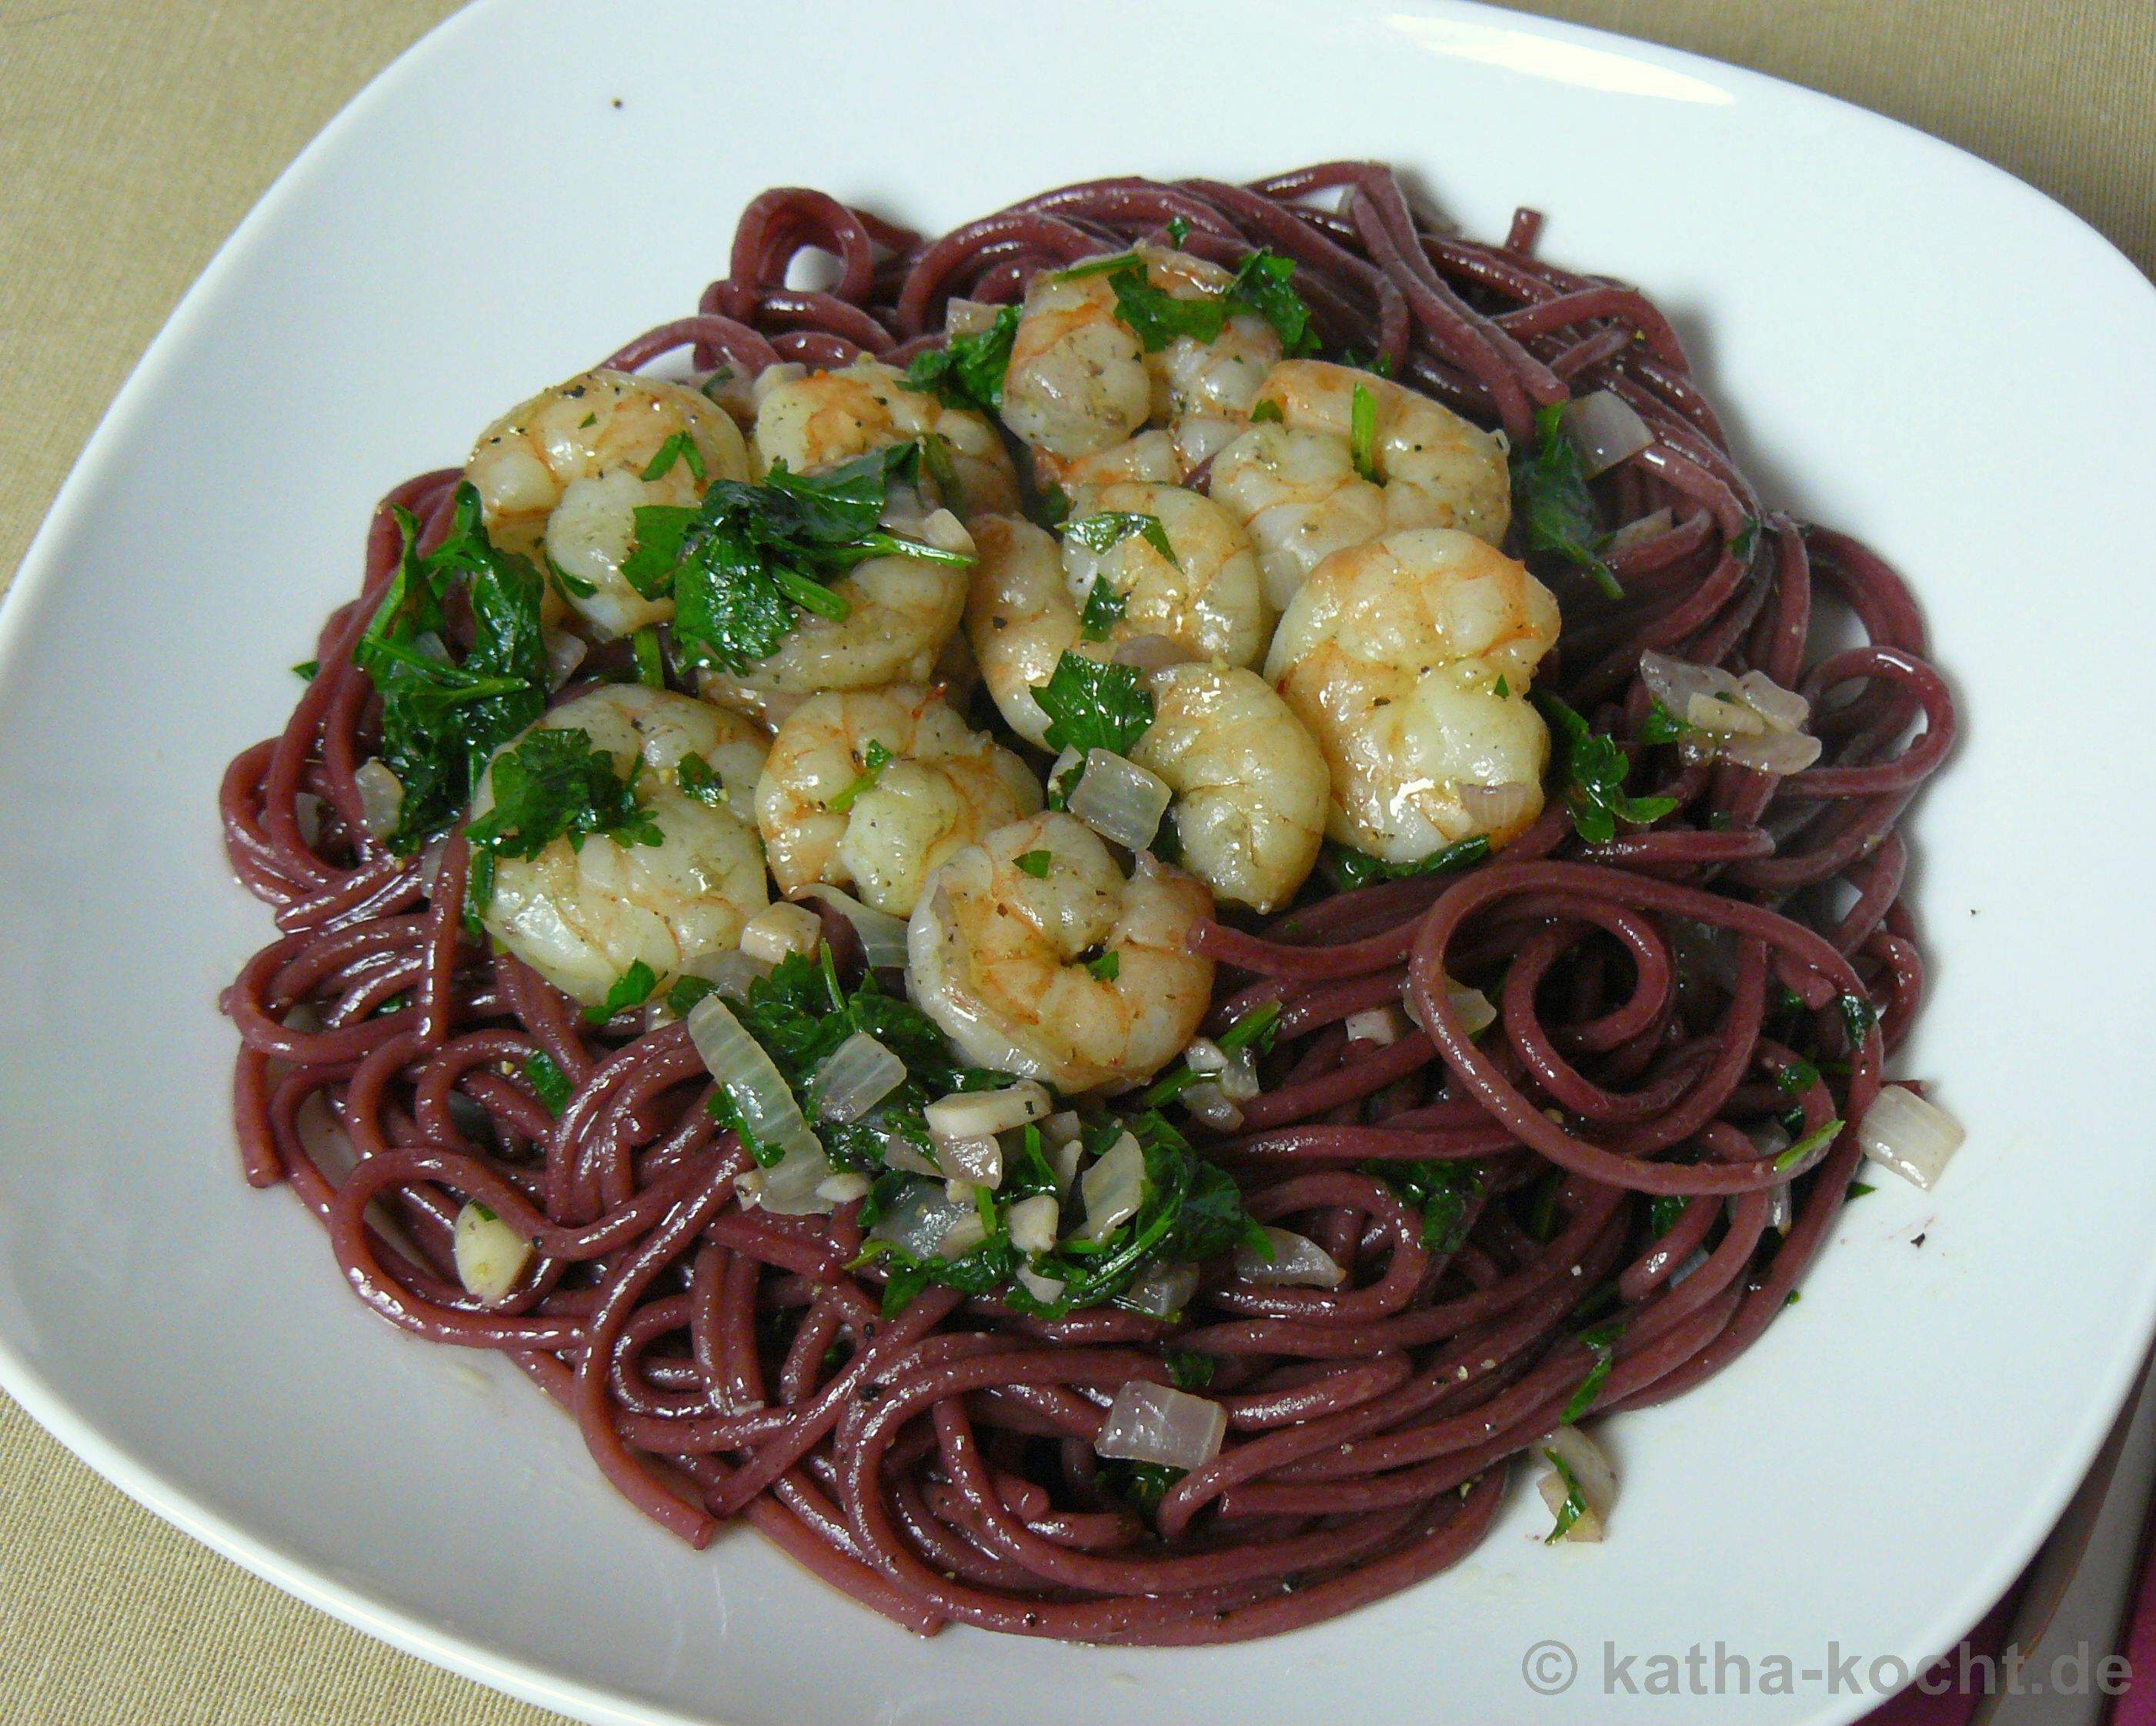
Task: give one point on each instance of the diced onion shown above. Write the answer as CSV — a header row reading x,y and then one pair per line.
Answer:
x,y
1297,1262
882,935
381,796
860,1073
1063,1146
1780,1208
1381,1025
1605,430
1236,1075
1120,800
729,973
964,1234
842,1188
1639,532
1114,1187
793,1185
491,1256
977,1114
307,814
968,317
1209,1104
900,1152
1914,1138
1047,1290
1154,1423
564,653
1776,752
430,863
1162,1290
751,1083
1152,653
1033,1222
920,1220
1751,720
1783,709
771,377
780,929
1476,1012
1590,1468
1491,807
978,1160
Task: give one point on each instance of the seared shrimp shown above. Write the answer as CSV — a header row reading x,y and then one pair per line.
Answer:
x,y
872,789
582,916
1294,481
1251,787
1028,604
1011,962
1080,381
565,471
1408,660
901,614
817,420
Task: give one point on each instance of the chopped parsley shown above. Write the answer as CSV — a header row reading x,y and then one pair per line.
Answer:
x,y
1108,967
936,457
874,760
444,717
1740,547
686,992
697,778
1262,286
1805,1145
1190,1369
1178,231
650,662
552,785
1441,1191
1555,509
1363,432
1143,1484
1091,704
1267,412
548,1082
1255,1031
1591,771
1796,1078
1036,864
1661,725
1602,1341
1104,610
1110,527
680,447
1575,1498
1351,869
1665,1209
1053,507
968,371
307,671
1858,1016
745,565
1857,1190
632,988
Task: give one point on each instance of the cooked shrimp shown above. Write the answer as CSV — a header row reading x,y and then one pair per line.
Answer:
x,y
1080,381
1294,482
1251,787
1408,660
819,419
1027,602
1008,961
872,789
582,916
901,614
565,470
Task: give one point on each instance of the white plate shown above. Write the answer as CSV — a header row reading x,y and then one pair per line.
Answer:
x,y
1912,345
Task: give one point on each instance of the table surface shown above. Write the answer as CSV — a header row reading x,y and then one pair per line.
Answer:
x,y
133,135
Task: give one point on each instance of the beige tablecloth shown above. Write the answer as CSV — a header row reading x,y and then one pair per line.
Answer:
x,y
135,133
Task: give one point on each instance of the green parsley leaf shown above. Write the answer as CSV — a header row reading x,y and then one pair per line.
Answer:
x,y
968,371
632,988
1661,725
699,779
686,992
1553,505
1104,610
1267,412
1260,288
552,785
1591,773
1662,1214
1178,231
548,1082
1190,1369
443,718
1363,432
1575,1498
1054,506
936,457
1858,1016
1541,1220
569,587
1036,864
307,671
1255,1030
1740,547
713,386
1353,869
1110,528
1262,285
650,663
680,447
1091,704
874,760
1857,1190
1796,1078
1143,1484
1805,1145
1503,691
1602,1340
1108,967
1377,365
1442,1191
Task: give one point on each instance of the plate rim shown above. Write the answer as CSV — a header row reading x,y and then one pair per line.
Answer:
x,y
470,1657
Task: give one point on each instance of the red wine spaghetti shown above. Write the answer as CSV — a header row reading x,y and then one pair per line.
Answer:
x,y
1588,1168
